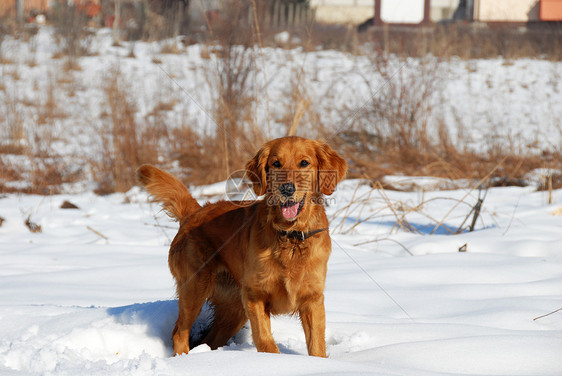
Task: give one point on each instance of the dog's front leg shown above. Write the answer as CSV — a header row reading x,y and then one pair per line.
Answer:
x,y
313,319
261,325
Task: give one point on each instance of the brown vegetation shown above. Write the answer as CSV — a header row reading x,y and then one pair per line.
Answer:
x,y
391,134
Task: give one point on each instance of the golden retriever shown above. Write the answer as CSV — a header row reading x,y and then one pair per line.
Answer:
x,y
254,259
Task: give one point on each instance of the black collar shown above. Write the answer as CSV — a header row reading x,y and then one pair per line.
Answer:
x,y
300,235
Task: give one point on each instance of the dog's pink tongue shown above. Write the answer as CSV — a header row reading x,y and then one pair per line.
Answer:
x,y
290,212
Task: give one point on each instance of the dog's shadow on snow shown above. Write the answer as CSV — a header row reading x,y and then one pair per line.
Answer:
x,y
160,318
422,228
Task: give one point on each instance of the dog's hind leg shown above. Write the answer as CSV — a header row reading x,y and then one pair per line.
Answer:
x,y
229,316
192,293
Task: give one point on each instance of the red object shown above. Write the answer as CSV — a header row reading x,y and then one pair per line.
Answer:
x,y
89,8
109,20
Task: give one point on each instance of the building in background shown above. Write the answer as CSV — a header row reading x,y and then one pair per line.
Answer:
x,y
550,10
377,12
8,7
517,10
342,11
425,12
506,10
32,8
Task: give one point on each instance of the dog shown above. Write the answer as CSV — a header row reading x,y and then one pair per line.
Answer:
x,y
254,259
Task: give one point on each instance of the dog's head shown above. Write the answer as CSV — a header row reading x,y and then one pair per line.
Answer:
x,y
293,173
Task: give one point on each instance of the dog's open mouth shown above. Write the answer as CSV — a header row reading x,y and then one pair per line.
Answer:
x,y
291,208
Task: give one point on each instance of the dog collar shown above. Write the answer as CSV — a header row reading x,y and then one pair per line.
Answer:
x,y
300,235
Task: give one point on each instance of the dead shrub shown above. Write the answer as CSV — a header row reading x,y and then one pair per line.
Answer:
x,y
551,181
40,169
46,172
498,165
7,27
398,132
49,109
71,32
396,119
8,172
194,152
170,47
124,144
232,80
13,119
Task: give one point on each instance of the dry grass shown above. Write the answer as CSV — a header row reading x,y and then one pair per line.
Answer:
x,y
468,41
44,170
7,27
72,34
12,119
8,173
123,144
232,79
170,47
49,109
446,162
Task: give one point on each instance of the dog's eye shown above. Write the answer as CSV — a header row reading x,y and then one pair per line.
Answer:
x,y
276,164
304,163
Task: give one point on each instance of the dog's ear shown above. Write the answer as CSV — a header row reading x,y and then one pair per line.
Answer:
x,y
331,168
257,170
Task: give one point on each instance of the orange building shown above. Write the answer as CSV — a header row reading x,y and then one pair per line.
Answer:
x,y
551,10
8,7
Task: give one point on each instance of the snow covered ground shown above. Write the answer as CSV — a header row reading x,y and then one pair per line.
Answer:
x,y
92,294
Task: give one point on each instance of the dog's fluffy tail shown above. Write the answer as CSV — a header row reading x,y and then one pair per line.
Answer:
x,y
168,190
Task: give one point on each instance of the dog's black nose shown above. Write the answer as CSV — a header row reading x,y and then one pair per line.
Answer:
x,y
287,189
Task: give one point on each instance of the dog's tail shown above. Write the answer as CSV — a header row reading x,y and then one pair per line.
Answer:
x,y
167,190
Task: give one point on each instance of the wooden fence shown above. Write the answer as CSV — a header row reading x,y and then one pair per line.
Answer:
x,y
285,14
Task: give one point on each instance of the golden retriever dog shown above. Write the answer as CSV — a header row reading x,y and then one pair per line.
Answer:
x,y
254,259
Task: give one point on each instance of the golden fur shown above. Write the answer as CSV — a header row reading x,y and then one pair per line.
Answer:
x,y
232,254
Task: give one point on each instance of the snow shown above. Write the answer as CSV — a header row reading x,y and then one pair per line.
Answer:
x,y
91,294
513,103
